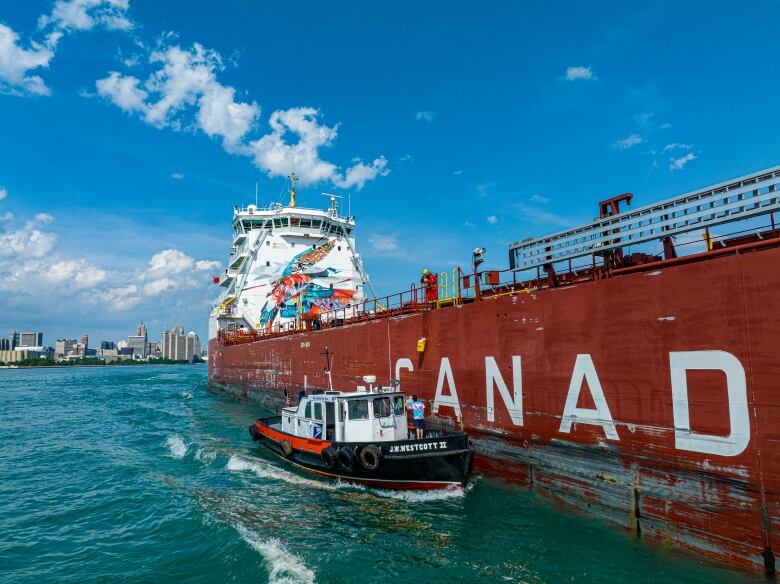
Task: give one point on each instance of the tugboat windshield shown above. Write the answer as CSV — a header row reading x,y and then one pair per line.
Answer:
x,y
382,407
400,409
358,409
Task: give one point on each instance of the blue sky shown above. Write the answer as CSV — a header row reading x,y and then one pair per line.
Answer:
x,y
130,128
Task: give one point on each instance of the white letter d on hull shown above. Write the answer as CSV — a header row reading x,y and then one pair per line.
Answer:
x,y
736,385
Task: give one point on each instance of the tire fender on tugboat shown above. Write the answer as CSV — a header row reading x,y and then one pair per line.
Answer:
x,y
371,457
346,458
329,458
286,448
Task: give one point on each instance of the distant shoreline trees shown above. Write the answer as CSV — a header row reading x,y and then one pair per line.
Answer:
x,y
90,362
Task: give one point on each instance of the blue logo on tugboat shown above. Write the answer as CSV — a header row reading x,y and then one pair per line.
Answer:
x,y
316,431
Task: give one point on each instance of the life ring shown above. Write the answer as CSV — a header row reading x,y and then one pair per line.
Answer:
x,y
371,457
329,458
286,447
346,457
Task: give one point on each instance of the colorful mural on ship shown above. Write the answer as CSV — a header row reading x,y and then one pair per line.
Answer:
x,y
297,283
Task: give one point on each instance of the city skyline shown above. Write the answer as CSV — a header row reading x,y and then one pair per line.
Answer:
x,y
132,128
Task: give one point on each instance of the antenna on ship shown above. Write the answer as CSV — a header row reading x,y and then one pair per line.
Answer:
x,y
292,178
257,186
327,368
334,206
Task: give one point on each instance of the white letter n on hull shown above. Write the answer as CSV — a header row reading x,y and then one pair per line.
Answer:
x,y
736,385
601,416
514,404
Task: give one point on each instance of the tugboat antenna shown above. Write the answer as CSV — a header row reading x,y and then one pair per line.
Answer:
x,y
327,368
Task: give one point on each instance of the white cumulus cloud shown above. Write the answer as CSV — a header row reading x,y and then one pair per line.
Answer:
x,y
675,146
20,62
628,142
381,243
3,193
86,14
492,219
678,163
17,62
184,80
575,73
124,91
184,92
425,116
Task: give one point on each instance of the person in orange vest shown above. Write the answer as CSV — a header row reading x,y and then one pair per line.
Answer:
x,y
431,284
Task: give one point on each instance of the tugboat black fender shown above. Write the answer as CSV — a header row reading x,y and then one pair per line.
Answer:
x,y
371,457
329,458
286,448
254,432
346,458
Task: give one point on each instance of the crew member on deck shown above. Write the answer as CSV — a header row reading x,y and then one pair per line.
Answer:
x,y
431,284
418,415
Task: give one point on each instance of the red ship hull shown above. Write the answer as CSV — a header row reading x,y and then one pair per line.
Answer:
x,y
651,399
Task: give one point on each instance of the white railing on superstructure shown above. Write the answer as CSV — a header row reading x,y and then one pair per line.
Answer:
x,y
742,198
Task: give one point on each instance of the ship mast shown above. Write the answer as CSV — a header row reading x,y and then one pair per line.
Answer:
x,y
292,178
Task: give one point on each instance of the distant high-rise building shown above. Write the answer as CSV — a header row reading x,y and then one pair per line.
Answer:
x,y
64,347
139,341
13,339
107,345
30,340
85,341
5,345
176,345
153,349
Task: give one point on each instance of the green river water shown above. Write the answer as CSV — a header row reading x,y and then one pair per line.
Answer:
x,y
140,474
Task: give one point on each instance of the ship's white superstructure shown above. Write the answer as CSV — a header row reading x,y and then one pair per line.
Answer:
x,y
288,265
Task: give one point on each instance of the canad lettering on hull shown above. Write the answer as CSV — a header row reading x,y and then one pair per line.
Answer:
x,y
584,373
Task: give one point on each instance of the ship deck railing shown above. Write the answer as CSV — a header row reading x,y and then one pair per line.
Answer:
x,y
495,284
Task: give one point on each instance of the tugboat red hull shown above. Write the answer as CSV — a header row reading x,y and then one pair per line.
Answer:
x,y
674,373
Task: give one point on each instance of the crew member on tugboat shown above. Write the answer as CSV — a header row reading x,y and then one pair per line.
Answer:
x,y
418,415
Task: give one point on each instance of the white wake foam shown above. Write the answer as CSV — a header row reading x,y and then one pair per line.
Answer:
x,y
205,455
422,496
186,395
267,471
284,567
176,446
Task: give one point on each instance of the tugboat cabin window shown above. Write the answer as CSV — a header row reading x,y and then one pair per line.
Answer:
x,y
400,409
357,409
307,412
317,411
382,407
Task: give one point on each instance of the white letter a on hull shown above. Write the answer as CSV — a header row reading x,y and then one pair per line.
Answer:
x,y
445,372
601,416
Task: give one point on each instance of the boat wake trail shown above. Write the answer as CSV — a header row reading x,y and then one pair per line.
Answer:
x,y
205,456
423,496
284,567
185,395
176,446
268,471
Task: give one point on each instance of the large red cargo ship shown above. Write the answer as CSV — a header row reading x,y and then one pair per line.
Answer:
x,y
643,388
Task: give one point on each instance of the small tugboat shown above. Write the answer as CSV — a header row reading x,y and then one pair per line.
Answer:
x,y
363,437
